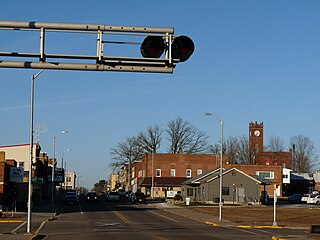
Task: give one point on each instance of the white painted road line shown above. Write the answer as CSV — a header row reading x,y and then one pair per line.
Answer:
x,y
16,229
171,219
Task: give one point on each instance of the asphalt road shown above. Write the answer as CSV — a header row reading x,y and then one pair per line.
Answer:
x,y
121,220
102,220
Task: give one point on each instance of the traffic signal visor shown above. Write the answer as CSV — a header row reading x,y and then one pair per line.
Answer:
x,y
182,48
152,47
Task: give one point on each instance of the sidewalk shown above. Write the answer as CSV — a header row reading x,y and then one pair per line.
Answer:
x,y
40,213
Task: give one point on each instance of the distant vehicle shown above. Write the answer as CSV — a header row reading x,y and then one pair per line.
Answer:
x,y
113,196
70,192
305,197
122,193
138,197
71,200
311,199
91,197
295,198
316,200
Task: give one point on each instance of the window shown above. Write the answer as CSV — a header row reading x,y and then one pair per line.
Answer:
x,y
172,172
225,190
158,172
199,171
21,164
188,172
266,175
285,176
189,191
68,179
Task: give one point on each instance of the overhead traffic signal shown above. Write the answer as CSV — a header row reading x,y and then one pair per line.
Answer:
x,y
182,47
152,47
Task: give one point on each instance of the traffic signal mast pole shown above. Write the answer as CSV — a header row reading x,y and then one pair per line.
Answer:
x,y
101,62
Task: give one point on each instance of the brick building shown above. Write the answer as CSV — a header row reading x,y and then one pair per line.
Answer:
x,y
170,170
6,188
19,156
257,151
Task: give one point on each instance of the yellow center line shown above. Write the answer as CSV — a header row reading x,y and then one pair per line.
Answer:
x,y
121,217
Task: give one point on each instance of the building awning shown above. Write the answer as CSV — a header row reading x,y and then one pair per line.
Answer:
x,y
163,181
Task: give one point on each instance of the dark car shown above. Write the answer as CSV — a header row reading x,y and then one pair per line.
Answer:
x,y
113,196
138,197
71,200
92,197
295,198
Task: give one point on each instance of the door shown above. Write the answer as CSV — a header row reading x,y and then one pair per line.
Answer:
x,y
241,196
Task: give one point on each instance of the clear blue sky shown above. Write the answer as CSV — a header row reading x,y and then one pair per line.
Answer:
x,y
254,61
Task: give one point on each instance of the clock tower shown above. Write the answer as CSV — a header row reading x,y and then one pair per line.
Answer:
x,y
255,140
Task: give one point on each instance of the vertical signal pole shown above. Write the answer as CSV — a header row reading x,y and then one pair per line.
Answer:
x,y
274,205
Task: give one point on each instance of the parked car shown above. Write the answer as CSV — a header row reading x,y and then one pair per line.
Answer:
x,y
305,197
71,200
122,193
311,199
91,197
138,197
295,198
316,200
113,196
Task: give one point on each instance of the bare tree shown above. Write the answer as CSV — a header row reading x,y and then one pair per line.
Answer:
x,y
214,149
151,139
304,154
275,144
232,149
243,152
183,135
125,154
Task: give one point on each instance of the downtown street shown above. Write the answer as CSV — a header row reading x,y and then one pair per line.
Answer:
x,y
121,220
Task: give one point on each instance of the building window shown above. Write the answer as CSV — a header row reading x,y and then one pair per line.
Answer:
x,y
68,179
285,176
188,172
21,164
225,190
158,172
172,172
266,175
199,171
189,191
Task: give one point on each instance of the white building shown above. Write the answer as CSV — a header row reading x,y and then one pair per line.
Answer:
x,y
21,154
70,180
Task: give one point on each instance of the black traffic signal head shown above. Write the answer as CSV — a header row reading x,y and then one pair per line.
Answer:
x,y
182,48
152,47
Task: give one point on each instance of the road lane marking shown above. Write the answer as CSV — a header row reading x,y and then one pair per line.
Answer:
x,y
121,217
42,224
171,219
16,229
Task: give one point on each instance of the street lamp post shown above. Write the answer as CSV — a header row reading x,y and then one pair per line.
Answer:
x,y
65,168
31,151
221,164
53,161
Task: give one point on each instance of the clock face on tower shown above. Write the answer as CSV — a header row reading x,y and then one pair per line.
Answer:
x,y
257,133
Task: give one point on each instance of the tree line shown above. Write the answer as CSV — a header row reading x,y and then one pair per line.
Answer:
x,y
182,136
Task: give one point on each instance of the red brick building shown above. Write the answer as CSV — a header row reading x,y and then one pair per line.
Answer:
x,y
6,187
170,170
257,153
